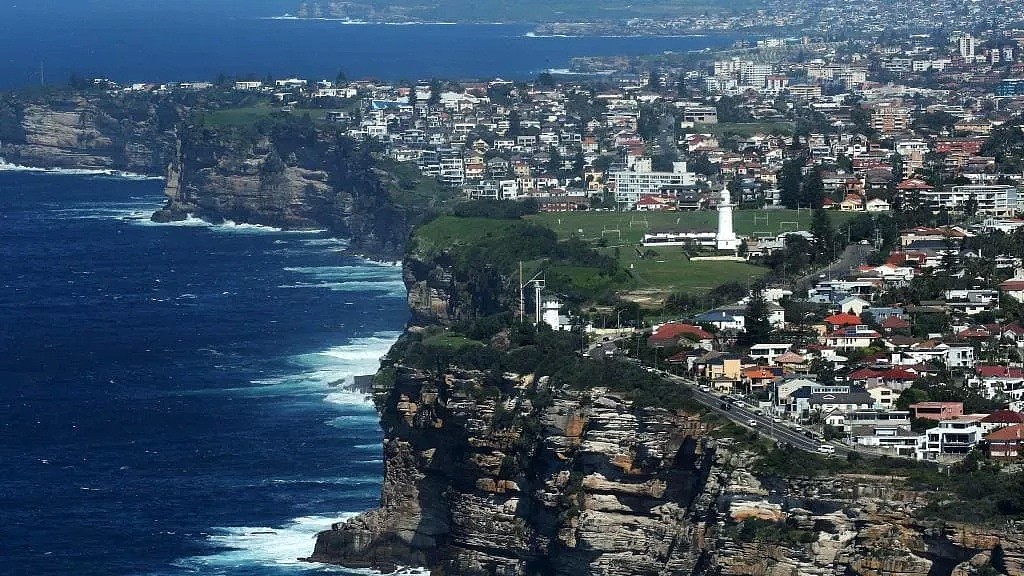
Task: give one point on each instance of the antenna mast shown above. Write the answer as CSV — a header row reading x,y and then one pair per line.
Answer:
x,y
538,286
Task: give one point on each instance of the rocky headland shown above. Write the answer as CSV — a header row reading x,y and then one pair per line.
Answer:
x,y
291,175
519,475
89,131
537,480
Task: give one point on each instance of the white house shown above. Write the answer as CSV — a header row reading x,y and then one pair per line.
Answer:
x,y
1014,287
956,436
768,352
851,337
954,355
853,305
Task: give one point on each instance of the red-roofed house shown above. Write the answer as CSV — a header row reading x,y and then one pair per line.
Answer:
x,y
1014,331
1001,419
673,333
992,381
758,377
1006,443
1014,287
974,333
841,320
895,324
653,203
790,360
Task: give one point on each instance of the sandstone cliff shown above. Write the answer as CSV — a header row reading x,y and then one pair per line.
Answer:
x,y
132,133
512,474
287,174
537,480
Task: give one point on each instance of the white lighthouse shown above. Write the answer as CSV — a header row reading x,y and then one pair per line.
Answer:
x,y
726,238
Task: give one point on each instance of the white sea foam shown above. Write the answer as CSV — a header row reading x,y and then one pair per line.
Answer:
x,y
279,546
363,278
320,372
230,226
120,174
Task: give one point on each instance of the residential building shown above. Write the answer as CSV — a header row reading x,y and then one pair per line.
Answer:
x,y
937,410
991,199
852,337
632,185
954,437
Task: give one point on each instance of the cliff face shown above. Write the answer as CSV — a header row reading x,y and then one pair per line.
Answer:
x,y
134,134
534,481
558,482
291,177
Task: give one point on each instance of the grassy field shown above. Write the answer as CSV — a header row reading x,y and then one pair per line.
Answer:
x,y
447,231
652,274
670,270
631,226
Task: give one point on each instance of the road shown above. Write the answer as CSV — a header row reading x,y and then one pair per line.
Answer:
x,y
853,256
743,415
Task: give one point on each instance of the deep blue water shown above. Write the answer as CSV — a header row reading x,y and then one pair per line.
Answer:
x,y
160,41
165,405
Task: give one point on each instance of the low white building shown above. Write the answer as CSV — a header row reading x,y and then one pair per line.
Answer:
x,y
954,437
768,352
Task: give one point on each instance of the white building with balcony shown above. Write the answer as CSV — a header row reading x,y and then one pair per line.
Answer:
x,y
950,438
991,199
641,180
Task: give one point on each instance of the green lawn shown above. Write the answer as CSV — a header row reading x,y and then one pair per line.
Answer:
x,y
671,271
629,227
446,231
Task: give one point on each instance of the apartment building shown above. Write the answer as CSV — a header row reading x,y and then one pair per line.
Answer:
x,y
991,199
641,180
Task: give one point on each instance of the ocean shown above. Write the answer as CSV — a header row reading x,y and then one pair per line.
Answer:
x,y
54,39
167,404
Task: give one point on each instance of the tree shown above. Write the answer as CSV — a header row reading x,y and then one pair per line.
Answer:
x,y
824,236
555,163
545,79
341,78
654,80
813,192
756,326
790,179
435,93
911,396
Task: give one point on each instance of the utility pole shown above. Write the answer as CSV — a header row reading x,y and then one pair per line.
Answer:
x,y
538,286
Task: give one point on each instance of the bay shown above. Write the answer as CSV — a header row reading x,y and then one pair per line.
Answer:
x,y
179,45
166,398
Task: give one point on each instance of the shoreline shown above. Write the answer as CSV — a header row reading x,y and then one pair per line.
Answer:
x,y
111,172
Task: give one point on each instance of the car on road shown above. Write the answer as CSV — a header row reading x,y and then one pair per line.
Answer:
x,y
752,422
827,449
776,419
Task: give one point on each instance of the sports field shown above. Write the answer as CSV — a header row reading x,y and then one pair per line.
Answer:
x,y
629,227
